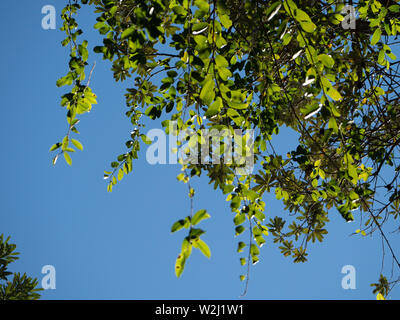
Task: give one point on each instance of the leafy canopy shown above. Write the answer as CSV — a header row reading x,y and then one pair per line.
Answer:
x,y
20,287
261,65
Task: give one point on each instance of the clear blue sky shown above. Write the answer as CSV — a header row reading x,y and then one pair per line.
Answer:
x,y
119,245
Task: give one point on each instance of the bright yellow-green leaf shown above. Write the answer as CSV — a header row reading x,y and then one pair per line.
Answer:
x,y
55,146
308,26
120,174
214,108
202,246
352,171
109,187
67,158
186,248
314,183
202,5
376,36
332,124
207,94
65,143
179,265
326,60
224,73
334,94
221,62
127,32
199,216
77,144
379,296
185,57
225,21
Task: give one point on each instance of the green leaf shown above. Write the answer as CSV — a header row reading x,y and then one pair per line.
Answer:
x,y
394,8
145,139
346,214
224,73
109,187
127,32
120,174
314,183
67,158
84,53
326,60
225,21
202,5
241,246
239,219
332,124
65,81
308,26
202,42
239,230
207,94
186,248
195,233
352,171
199,26
214,108
182,257
304,19
334,110
379,296
55,146
376,36
203,247
334,94
77,144
221,62
254,250
180,265
237,105
178,225
199,216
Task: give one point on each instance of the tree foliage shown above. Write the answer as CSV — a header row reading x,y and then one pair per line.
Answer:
x,y
20,287
266,66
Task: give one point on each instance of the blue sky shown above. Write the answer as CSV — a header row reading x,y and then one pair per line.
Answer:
x,y
119,245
